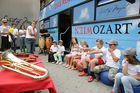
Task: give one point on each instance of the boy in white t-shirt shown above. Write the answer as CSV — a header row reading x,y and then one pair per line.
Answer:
x,y
99,50
53,50
112,56
97,60
60,52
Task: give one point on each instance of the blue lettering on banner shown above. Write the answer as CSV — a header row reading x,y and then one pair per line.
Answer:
x,y
125,32
104,29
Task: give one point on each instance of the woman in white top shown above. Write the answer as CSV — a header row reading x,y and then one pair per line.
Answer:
x,y
22,33
5,44
31,35
130,75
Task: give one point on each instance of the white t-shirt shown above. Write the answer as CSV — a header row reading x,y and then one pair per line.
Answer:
x,y
132,69
22,31
27,32
4,29
103,49
54,48
61,49
15,31
109,60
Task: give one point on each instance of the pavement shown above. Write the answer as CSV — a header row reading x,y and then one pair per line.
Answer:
x,y
68,81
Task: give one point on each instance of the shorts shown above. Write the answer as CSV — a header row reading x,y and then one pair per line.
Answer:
x,y
100,61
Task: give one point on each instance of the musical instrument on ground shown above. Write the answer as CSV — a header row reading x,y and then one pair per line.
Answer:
x,y
11,62
41,42
48,43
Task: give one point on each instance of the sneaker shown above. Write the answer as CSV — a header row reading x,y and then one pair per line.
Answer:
x,y
96,80
73,68
90,78
57,62
53,62
67,66
61,63
64,64
83,74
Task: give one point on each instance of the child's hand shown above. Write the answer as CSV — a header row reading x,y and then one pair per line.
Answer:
x,y
110,50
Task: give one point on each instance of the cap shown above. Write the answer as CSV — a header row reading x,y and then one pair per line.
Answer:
x,y
112,41
129,52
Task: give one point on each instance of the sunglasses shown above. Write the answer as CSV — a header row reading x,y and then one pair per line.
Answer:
x,y
112,44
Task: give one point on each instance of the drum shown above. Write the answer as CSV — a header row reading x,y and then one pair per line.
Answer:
x,y
41,42
48,43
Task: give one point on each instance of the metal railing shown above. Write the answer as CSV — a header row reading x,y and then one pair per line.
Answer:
x,y
64,32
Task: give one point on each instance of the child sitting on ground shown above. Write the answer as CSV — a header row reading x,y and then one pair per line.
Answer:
x,y
60,53
53,50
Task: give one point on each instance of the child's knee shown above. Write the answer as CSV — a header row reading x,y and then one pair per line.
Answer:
x,y
125,80
96,69
111,76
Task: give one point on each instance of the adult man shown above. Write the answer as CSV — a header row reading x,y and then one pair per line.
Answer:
x,y
111,58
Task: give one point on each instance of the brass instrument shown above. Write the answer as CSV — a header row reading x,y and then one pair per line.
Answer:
x,y
11,62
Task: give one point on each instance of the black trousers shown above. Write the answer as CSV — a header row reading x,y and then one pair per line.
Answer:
x,y
5,44
51,57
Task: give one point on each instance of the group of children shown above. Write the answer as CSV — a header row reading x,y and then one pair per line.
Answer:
x,y
56,53
105,59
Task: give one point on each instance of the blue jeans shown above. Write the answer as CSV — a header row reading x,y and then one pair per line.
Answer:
x,y
127,82
30,45
14,47
22,44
